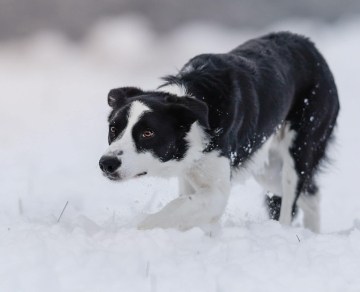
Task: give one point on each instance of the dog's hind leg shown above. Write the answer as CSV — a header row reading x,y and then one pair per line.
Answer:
x,y
297,181
270,179
289,181
313,120
309,203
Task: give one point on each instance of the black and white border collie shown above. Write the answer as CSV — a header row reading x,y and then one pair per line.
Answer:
x,y
267,108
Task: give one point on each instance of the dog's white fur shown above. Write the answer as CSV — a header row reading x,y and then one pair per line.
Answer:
x,y
204,191
310,204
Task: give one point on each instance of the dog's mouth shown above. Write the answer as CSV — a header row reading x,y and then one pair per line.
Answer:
x,y
113,177
117,177
140,174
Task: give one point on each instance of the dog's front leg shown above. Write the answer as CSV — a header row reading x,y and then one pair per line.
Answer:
x,y
210,181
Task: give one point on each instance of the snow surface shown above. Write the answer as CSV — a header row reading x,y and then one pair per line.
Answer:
x,y
53,131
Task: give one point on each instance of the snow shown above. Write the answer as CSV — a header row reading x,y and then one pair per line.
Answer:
x,y
53,131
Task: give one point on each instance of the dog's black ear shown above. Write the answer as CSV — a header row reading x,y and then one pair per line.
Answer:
x,y
190,110
117,97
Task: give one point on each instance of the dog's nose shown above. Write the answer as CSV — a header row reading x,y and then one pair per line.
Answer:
x,y
109,164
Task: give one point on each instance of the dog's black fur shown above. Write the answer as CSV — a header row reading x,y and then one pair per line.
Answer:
x,y
259,85
241,98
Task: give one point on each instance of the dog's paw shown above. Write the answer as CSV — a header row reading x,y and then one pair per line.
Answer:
x,y
182,213
165,220
158,220
154,221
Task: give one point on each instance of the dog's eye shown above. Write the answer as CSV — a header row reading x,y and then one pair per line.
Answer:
x,y
113,130
148,133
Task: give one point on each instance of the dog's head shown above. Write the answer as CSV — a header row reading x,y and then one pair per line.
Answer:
x,y
149,132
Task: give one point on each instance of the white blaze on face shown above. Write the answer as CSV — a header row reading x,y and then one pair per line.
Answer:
x,y
124,146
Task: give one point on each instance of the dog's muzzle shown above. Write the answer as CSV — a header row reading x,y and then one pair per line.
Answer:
x,y
109,164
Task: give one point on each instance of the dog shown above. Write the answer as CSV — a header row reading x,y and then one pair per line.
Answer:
x,y
267,108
